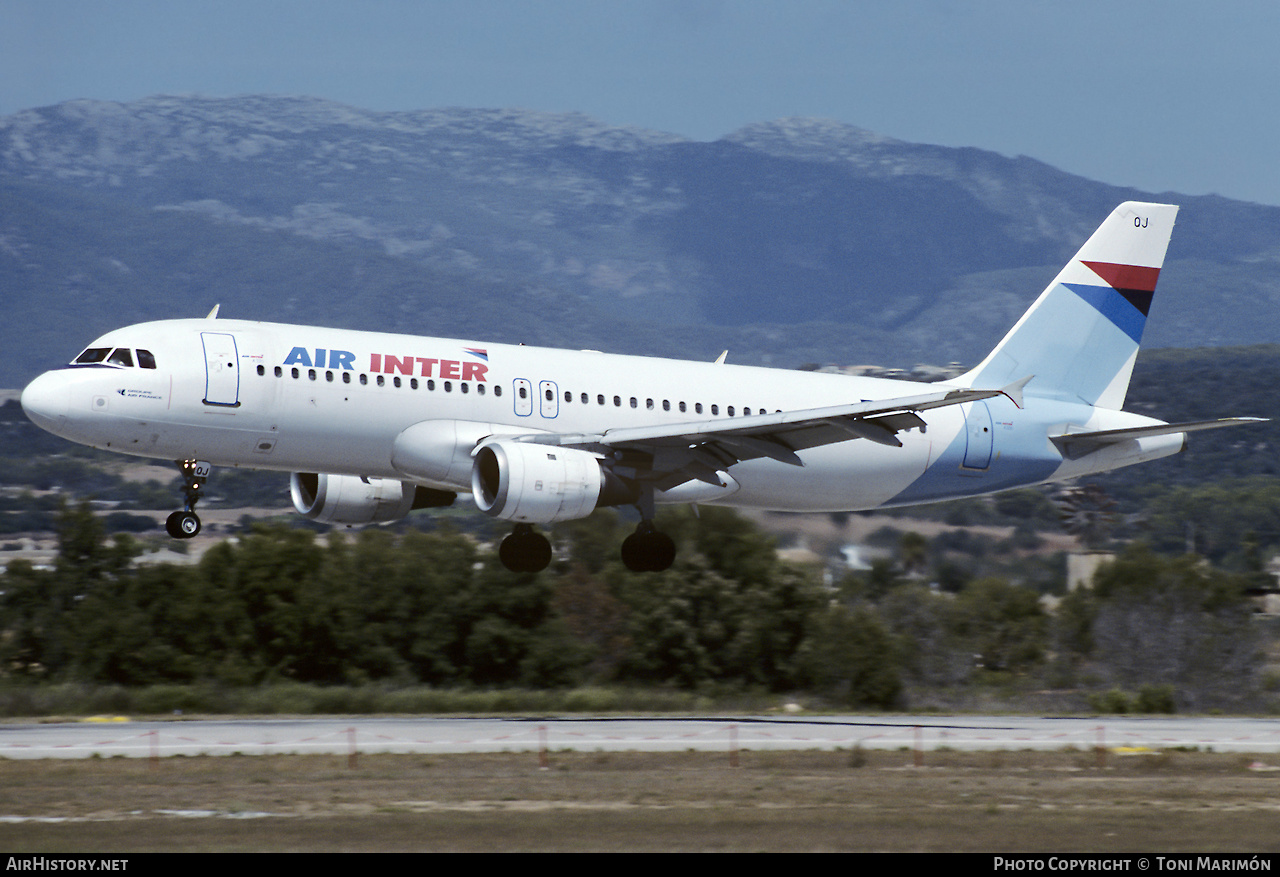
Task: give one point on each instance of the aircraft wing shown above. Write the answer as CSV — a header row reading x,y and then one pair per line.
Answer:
x,y
671,454
1075,445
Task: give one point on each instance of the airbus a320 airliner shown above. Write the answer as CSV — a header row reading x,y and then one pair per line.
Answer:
x,y
374,425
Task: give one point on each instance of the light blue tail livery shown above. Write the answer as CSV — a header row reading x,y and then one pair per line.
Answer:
x,y
1080,338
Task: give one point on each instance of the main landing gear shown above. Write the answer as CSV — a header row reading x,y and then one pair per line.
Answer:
x,y
186,523
525,550
645,550
648,549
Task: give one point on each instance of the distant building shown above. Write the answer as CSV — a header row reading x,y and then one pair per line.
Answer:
x,y
922,372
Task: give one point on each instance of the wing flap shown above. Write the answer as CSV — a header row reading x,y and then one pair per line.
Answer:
x,y
671,454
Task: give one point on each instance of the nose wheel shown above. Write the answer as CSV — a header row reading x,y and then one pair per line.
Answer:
x,y
186,523
183,525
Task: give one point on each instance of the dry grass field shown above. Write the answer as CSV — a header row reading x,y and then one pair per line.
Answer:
x,y
774,801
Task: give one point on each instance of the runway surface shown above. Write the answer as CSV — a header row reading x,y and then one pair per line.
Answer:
x,y
116,737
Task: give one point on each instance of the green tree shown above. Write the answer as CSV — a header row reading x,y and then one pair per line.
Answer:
x,y
1003,625
137,629
595,618
1174,622
851,658
681,622
30,621
270,618
927,644
727,611
775,619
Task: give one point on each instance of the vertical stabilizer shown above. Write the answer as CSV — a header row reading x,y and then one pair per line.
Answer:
x,y
1080,338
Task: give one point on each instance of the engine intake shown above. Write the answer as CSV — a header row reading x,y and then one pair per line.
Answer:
x,y
351,499
537,484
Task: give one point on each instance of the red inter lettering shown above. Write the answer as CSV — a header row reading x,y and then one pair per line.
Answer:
x,y
449,368
375,362
402,364
474,371
427,365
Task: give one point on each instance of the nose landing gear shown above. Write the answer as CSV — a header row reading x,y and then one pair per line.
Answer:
x,y
186,523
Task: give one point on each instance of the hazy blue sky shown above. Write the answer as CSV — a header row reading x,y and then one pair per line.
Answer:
x,y
1164,95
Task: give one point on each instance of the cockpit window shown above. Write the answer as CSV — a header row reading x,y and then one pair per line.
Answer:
x,y
120,356
92,355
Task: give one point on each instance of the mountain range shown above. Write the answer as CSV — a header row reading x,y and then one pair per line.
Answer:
x,y
788,242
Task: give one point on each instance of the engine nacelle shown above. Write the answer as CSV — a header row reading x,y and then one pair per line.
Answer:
x,y
439,451
350,499
538,484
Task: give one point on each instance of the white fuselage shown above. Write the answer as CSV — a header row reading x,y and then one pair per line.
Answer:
x,y
304,399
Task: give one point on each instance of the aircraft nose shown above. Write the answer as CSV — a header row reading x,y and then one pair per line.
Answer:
x,y
46,400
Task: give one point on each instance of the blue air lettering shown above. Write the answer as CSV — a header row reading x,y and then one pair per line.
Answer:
x,y
341,359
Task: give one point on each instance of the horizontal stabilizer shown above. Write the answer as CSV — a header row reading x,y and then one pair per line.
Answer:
x,y
1075,445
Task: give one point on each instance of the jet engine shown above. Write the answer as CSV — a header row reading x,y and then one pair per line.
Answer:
x,y
537,484
351,499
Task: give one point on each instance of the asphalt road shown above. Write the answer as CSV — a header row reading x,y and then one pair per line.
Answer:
x,y
107,737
